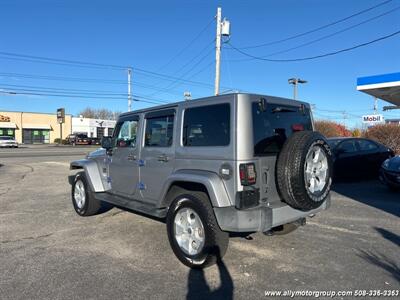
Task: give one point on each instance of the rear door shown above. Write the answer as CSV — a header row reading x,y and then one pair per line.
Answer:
x,y
157,157
272,126
123,166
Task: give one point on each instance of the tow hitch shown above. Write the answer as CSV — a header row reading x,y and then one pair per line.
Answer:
x,y
286,228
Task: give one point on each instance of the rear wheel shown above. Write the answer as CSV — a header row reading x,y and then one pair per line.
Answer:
x,y
193,232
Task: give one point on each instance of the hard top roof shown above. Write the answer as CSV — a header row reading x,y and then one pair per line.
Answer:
x,y
210,98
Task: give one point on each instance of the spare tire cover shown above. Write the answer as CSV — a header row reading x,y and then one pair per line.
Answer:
x,y
304,170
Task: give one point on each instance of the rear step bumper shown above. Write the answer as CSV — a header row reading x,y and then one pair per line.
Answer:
x,y
261,218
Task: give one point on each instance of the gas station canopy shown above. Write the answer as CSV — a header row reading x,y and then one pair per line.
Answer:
x,y
385,87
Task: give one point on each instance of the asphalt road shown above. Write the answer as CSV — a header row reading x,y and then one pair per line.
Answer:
x,y
49,252
37,153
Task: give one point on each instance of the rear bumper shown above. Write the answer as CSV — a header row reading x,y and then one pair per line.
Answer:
x,y
261,218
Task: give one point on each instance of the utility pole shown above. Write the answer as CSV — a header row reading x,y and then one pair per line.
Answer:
x,y
218,52
295,82
129,90
223,30
375,105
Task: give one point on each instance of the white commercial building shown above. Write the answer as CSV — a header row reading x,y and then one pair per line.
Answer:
x,y
96,128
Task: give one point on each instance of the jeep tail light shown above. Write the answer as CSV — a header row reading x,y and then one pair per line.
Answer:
x,y
247,173
298,127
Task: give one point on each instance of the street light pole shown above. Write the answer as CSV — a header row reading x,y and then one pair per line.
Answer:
x,y
295,82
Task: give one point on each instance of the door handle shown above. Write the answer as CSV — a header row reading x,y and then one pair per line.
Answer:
x,y
131,157
163,158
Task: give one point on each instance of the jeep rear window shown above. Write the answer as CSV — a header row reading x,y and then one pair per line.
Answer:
x,y
207,126
273,126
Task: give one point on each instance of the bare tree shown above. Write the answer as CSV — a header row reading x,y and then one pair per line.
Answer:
x,y
101,113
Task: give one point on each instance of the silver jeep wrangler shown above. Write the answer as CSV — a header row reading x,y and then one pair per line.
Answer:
x,y
231,163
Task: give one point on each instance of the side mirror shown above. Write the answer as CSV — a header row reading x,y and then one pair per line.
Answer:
x,y
106,142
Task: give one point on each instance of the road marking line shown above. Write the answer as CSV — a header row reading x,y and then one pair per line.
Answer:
x,y
57,163
340,229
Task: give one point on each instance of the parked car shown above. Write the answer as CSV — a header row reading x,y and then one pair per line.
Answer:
x,y
230,163
94,141
78,139
8,142
70,139
357,158
390,173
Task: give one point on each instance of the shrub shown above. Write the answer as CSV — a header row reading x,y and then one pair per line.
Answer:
x,y
386,134
332,129
356,133
57,141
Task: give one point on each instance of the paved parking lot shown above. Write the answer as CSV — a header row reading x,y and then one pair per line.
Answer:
x,y
49,252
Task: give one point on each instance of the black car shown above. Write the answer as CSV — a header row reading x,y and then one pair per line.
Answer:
x,y
390,173
95,141
78,139
357,158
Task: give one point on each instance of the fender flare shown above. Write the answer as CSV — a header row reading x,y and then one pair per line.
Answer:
x,y
92,173
212,182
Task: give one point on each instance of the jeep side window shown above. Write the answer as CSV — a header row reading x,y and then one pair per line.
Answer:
x,y
159,131
207,125
127,134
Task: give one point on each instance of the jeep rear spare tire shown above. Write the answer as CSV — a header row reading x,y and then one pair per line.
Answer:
x,y
304,170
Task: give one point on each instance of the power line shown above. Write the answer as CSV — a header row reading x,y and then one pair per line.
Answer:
x,y
171,85
187,45
88,80
75,92
318,56
59,61
62,78
325,36
72,96
177,82
40,59
318,28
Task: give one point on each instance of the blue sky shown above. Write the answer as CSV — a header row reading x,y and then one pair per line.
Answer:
x,y
149,35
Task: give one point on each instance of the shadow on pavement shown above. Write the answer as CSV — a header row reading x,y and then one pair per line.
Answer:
x,y
199,289
372,193
382,261
390,236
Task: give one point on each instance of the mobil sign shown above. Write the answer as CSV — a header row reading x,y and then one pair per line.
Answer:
x,y
373,119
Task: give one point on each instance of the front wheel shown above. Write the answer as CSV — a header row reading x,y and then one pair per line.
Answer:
x,y
193,232
85,204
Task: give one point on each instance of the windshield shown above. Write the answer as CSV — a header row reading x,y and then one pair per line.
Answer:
x,y
82,136
275,124
6,138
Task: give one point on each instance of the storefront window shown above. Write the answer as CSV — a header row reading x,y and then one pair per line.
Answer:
x,y
7,132
36,136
